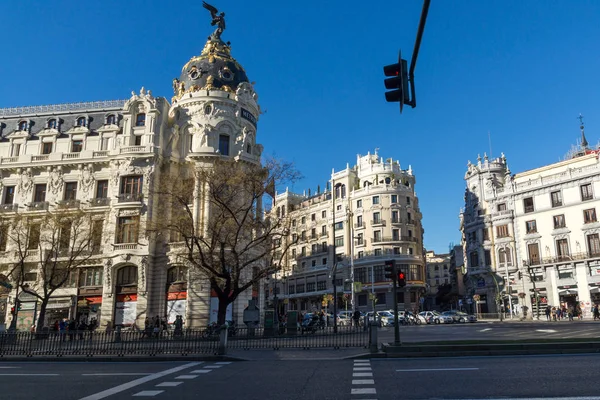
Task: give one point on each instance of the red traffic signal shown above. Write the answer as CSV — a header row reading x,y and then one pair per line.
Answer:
x,y
390,269
12,310
401,279
398,82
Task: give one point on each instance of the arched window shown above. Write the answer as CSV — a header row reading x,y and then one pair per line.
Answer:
x,y
388,180
23,125
140,119
81,121
111,119
52,123
248,149
127,276
176,274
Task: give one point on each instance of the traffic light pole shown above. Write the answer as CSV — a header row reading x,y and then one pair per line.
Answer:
x,y
396,321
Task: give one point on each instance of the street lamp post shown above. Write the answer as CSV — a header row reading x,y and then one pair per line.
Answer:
x,y
334,262
353,294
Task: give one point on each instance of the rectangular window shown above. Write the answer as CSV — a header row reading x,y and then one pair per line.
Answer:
x,y
556,199
407,200
140,119
323,214
339,241
313,217
562,249
586,192
502,231
39,193
137,140
313,233
16,150
559,221
394,199
102,189
474,258
131,185
64,239
96,239
303,235
360,239
224,145
395,234
47,148
589,216
76,146
528,204
375,199
376,236
104,143
34,236
395,217
359,221
534,253
91,276
594,244
70,191
486,234
9,194
376,218
127,229
531,226
488,257
502,207
324,230
358,203
339,226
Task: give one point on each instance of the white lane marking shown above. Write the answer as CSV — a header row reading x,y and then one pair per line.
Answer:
x,y
213,366
29,374
357,374
9,367
148,393
546,330
364,391
485,330
201,371
436,369
169,384
137,382
223,362
186,376
362,368
363,381
119,374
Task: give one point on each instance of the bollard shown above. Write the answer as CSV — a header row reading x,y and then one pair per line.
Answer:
x,y
373,345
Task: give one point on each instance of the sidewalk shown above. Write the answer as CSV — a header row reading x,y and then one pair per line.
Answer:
x,y
298,354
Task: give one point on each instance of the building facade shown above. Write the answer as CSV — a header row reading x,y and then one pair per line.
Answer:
x,y
107,159
532,239
368,214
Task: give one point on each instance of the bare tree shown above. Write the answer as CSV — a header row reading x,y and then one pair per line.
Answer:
x,y
217,212
45,252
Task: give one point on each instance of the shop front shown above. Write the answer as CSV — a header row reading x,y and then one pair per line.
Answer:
x,y
176,293
126,296
89,308
27,314
568,296
57,309
595,293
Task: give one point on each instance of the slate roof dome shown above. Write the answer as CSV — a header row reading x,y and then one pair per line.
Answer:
x,y
213,69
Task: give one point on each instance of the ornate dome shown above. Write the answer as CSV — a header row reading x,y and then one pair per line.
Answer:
x,y
213,69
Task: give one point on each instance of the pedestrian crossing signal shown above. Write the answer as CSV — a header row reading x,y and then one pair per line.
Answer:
x,y
401,279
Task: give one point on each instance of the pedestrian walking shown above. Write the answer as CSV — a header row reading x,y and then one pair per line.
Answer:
x,y
547,311
62,329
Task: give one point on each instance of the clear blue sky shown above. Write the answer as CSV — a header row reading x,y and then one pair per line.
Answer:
x,y
521,70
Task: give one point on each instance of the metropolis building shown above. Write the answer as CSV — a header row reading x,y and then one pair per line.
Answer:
x,y
368,214
532,239
107,158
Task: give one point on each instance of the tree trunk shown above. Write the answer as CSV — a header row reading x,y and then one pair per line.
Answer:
x,y
224,301
39,326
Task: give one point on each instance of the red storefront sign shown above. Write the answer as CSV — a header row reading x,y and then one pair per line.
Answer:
x,y
176,295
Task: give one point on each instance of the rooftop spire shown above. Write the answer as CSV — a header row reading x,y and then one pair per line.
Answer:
x,y
584,143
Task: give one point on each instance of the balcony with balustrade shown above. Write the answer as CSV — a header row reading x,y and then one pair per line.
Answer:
x,y
9,208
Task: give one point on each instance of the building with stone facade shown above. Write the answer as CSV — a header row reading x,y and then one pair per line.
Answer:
x,y
532,239
368,214
107,158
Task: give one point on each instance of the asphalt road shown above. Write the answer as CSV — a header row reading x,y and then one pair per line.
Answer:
x,y
494,331
448,378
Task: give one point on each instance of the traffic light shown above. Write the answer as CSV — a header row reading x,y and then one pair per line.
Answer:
x,y
398,82
12,310
18,305
401,279
390,270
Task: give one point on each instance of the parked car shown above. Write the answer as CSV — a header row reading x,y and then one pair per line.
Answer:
x,y
442,318
429,316
459,316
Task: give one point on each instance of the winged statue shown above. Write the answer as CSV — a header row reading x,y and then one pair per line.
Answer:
x,y
218,19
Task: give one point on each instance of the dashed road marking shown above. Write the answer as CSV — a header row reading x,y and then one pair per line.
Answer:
x,y
359,374
201,371
169,384
213,366
186,377
223,363
362,368
363,381
148,393
364,391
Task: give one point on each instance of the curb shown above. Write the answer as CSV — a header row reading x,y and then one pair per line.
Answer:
x,y
118,359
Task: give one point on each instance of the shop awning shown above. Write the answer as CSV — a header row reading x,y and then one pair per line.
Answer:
x,y
567,292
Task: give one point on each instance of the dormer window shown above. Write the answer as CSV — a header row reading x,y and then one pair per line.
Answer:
x,y
81,121
111,120
52,124
140,119
23,125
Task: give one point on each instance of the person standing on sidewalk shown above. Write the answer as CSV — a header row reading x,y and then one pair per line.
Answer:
x,y
596,312
547,311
